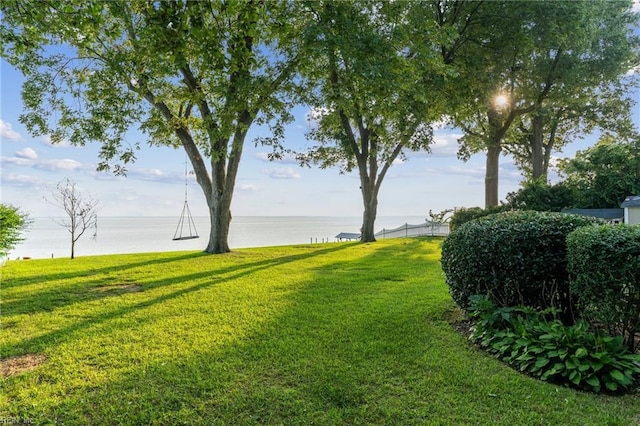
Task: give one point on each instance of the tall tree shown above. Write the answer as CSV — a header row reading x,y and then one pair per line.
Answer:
x,y
191,74
554,60
363,96
486,66
365,92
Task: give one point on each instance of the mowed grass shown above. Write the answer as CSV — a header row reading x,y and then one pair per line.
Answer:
x,y
342,333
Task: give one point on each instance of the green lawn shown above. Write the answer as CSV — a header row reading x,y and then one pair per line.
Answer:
x,y
340,333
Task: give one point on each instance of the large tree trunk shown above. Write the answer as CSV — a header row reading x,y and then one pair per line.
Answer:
x,y
537,155
370,199
220,218
218,189
492,175
547,159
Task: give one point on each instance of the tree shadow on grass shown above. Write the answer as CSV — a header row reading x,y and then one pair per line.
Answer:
x,y
208,278
152,259
339,353
357,342
99,283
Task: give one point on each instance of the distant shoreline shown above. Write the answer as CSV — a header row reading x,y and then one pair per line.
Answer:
x,y
143,234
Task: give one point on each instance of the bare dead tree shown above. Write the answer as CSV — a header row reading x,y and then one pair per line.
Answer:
x,y
81,210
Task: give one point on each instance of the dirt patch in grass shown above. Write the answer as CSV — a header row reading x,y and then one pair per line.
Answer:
x,y
20,364
459,320
119,288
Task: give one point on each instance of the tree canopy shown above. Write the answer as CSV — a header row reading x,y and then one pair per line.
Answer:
x,y
604,175
517,77
561,68
190,74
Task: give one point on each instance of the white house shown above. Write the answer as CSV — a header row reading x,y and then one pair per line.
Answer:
x,y
631,206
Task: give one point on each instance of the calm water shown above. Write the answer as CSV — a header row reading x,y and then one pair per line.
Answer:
x,y
115,235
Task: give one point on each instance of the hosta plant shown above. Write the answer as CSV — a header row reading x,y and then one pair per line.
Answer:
x,y
536,343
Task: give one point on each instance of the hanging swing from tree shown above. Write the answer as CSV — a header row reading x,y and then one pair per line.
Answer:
x,y
185,223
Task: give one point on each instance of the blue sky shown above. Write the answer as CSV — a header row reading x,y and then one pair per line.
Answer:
x,y
154,186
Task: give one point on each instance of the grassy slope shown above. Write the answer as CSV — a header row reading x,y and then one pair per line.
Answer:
x,y
324,334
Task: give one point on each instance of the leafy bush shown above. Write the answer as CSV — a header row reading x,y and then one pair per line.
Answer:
x,y
463,215
515,258
551,351
13,223
604,263
540,196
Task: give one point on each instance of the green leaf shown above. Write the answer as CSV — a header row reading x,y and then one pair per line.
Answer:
x,y
596,366
525,357
541,362
575,377
581,352
549,373
594,382
612,386
617,375
583,367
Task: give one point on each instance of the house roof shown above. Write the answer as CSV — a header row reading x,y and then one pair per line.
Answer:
x,y
609,214
631,201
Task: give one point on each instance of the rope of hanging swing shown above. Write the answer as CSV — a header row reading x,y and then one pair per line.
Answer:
x,y
186,219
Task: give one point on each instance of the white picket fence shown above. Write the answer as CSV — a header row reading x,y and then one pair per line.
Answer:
x,y
427,229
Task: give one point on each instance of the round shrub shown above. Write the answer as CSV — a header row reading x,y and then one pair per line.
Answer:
x,y
604,266
514,258
463,215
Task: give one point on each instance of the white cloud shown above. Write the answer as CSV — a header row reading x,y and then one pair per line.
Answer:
x,y
287,158
55,165
62,144
150,174
144,174
636,6
248,187
445,145
7,132
635,70
28,153
16,161
474,171
106,176
281,173
21,180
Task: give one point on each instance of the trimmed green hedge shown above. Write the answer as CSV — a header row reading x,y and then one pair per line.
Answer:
x,y
467,214
604,265
515,258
